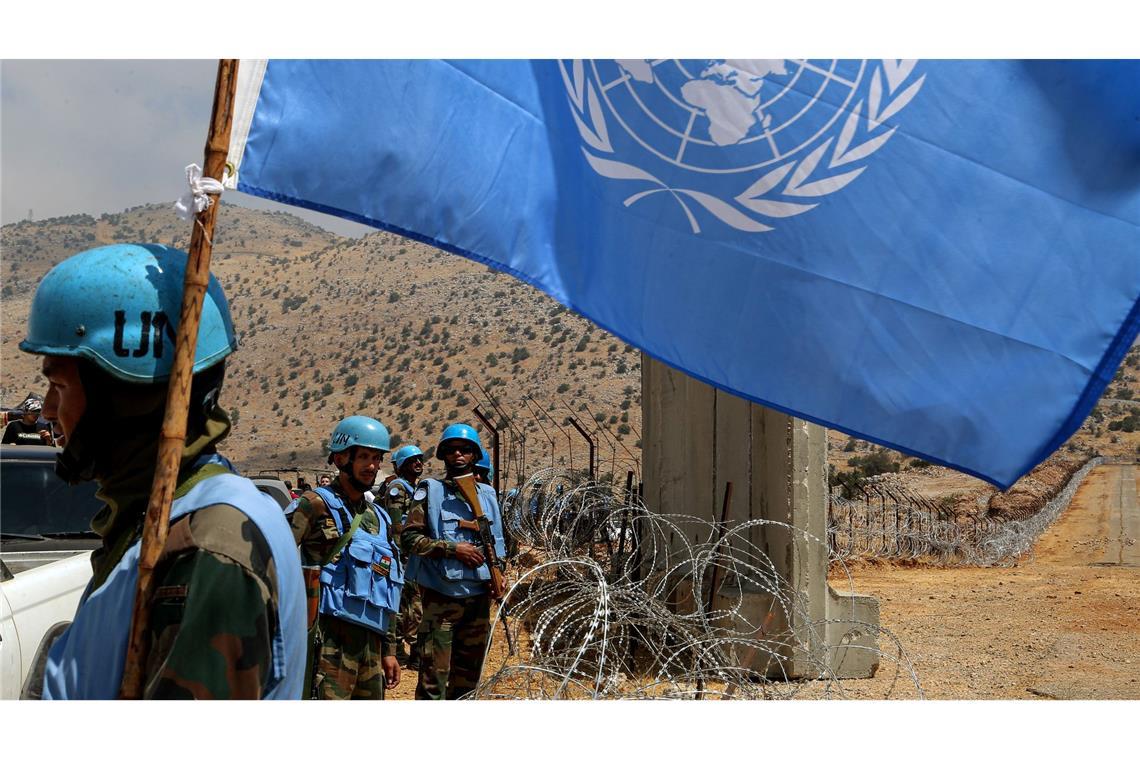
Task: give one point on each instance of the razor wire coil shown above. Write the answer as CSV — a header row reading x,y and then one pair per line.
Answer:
x,y
610,600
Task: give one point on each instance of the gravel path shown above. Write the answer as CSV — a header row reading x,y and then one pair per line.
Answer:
x,y
1062,624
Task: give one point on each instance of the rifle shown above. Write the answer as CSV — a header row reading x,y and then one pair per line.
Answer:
x,y
470,493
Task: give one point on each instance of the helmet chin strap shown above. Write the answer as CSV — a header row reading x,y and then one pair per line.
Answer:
x,y
115,409
76,462
347,469
453,471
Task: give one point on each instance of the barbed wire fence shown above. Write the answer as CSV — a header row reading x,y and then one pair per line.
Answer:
x,y
609,600
879,519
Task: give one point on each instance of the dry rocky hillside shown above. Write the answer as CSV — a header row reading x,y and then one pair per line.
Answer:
x,y
331,326
1111,429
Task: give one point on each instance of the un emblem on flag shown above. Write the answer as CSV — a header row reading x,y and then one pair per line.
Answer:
x,y
750,141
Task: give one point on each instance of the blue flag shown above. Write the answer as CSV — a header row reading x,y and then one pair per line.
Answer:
x,y
942,257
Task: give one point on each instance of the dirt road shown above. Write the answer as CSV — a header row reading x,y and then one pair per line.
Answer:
x,y
1062,624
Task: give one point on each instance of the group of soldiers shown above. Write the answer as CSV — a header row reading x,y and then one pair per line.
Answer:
x,y
248,602
405,567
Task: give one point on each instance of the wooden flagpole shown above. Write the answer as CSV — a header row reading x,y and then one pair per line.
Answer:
x,y
172,440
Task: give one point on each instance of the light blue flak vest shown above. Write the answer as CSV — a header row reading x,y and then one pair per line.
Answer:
x,y
403,484
87,661
449,576
410,489
363,584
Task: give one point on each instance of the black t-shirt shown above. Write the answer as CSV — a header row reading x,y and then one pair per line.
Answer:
x,y
19,432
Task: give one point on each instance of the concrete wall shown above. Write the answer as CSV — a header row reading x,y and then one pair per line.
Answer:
x,y
696,439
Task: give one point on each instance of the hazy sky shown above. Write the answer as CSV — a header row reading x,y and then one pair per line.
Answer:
x,y
95,136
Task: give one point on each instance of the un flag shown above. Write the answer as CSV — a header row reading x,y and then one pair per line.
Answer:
x,y
941,257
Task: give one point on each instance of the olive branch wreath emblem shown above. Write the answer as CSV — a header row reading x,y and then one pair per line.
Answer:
x,y
780,192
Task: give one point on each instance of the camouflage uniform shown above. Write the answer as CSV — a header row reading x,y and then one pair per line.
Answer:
x,y
397,501
213,620
217,588
453,634
452,640
348,666
349,661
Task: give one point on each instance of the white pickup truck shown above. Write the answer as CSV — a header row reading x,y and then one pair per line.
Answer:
x,y
45,547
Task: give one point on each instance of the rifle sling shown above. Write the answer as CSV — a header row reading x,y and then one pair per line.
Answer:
x,y
344,539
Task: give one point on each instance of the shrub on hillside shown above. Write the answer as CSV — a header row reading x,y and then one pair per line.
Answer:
x,y
875,463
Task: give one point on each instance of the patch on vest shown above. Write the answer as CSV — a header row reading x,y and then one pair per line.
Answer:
x,y
174,593
383,567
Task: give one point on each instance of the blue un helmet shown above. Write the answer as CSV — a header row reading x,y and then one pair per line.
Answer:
x,y
458,431
359,431
404,453
118,306
484,463
115,310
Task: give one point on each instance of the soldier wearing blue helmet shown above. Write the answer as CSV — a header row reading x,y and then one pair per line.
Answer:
x,y
227,617
353,569
440,536
407,467
484,469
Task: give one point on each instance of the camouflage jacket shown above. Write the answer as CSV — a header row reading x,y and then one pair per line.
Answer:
x,y
397,501
315,531
214,617
416,536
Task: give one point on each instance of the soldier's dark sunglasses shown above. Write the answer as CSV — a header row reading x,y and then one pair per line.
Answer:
x,y
461,448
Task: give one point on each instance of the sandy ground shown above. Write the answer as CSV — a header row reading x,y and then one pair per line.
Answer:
x,y
1063,623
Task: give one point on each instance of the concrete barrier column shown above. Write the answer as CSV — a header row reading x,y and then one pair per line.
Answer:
x,y
696,439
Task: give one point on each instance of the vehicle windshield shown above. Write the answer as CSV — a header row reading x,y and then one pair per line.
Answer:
x,y
34,501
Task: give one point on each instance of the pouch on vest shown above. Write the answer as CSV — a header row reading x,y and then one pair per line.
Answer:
x,y
359,580
363,584
374,573
450,513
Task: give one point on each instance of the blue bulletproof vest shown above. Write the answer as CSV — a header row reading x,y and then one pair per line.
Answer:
x,y
403,484
362,585
87,661
445,509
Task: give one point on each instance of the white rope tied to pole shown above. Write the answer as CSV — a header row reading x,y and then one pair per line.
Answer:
x,y
197,198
